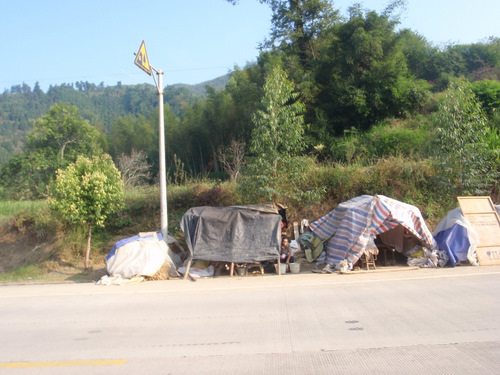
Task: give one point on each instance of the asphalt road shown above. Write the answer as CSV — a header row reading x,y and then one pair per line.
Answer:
x,y
432,321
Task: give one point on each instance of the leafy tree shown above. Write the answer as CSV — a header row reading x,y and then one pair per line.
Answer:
x,y
57,139
131,133
62,134
87,192
488,92
276,142
460,142
365,75
297,25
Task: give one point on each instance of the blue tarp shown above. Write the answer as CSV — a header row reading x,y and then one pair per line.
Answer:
x,y
455,235
455,241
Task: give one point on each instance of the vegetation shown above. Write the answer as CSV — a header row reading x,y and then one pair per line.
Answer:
x,y
87,192
333,107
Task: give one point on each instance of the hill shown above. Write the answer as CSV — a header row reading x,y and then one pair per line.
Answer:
x,y
200,89
100,105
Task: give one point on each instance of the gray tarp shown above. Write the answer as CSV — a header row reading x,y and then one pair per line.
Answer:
x,y
240,234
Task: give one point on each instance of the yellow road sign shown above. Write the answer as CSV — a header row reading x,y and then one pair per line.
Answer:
x,y
141,59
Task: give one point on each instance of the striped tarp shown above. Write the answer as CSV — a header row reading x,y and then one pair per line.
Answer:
x,y
348,229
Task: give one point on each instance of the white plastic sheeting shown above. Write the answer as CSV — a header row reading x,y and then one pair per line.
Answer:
x,y
140,256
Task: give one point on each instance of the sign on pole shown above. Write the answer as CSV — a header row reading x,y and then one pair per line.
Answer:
x,y
141,59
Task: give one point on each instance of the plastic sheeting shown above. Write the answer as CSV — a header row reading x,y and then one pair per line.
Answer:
x,y
240,234
455,235
350,227
141,255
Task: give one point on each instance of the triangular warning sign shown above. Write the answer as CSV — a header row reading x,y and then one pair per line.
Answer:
x,y
141,59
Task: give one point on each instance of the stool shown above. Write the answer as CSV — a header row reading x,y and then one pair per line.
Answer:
x,y
368,259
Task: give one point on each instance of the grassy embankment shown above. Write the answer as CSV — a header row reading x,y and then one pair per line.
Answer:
x,y
45,246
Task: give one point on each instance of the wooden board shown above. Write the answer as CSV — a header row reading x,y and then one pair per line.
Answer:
x,y
482,215
488,256
475,205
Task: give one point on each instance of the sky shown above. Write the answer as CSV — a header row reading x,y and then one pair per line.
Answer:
x,y
191,41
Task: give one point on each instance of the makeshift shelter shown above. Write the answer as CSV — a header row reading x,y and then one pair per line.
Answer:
x,y
143,255
351,229
236,234
455,235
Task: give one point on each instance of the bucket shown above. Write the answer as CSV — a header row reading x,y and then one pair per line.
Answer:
x,y
283,268
241,271
294,267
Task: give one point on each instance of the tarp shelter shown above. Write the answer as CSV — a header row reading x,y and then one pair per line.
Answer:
x,y
353,225
142,255
239,234
455,235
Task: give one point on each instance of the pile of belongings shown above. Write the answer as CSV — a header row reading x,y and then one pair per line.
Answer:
x,y
140,257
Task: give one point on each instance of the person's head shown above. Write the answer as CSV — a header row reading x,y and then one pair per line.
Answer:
x,y
284,242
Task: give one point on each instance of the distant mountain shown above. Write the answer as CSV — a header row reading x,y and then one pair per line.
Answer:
x,y
199,89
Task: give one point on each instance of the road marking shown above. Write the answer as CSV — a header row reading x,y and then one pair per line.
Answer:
x,y
112,362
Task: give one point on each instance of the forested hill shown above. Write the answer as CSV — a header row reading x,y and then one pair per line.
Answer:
x,y
100,105
347,82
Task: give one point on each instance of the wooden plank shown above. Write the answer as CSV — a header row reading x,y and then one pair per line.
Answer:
x,y
488,255
296,233
484,219
471,205
487,226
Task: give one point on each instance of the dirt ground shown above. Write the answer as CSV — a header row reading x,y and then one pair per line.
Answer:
x,y
21,249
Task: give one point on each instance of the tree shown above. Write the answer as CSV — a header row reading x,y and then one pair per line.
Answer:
x,y
57,139
365,75
297,24
276,140
87,192
232,158
134,168
460,142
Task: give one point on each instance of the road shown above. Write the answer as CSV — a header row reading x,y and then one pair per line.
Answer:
x,y
432,321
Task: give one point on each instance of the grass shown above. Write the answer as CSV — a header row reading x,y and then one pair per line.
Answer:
x,y
28,272
10,209
399,177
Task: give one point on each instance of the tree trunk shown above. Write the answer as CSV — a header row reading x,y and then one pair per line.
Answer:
x,y
87,252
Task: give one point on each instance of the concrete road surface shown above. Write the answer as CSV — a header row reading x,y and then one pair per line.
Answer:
x,y
424,321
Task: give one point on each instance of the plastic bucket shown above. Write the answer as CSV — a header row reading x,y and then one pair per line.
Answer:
x,y
294,267
283,268
241,271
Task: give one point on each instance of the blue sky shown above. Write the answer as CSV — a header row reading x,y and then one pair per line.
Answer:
x,y
192,41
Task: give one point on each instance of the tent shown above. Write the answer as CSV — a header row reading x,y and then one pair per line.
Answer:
x,y
351,228
455,235
239,234
143,255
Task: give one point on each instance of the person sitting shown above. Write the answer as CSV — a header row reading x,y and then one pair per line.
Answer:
x,y
286,252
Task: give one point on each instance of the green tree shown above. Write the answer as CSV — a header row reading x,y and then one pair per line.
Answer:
x,y
131,133
297,25
87,192
276,141
365,75
460,149
57,139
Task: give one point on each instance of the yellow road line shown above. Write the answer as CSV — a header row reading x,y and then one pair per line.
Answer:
x,y
112,362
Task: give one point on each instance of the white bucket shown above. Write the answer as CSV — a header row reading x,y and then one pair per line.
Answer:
x,y
282,266
294,267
